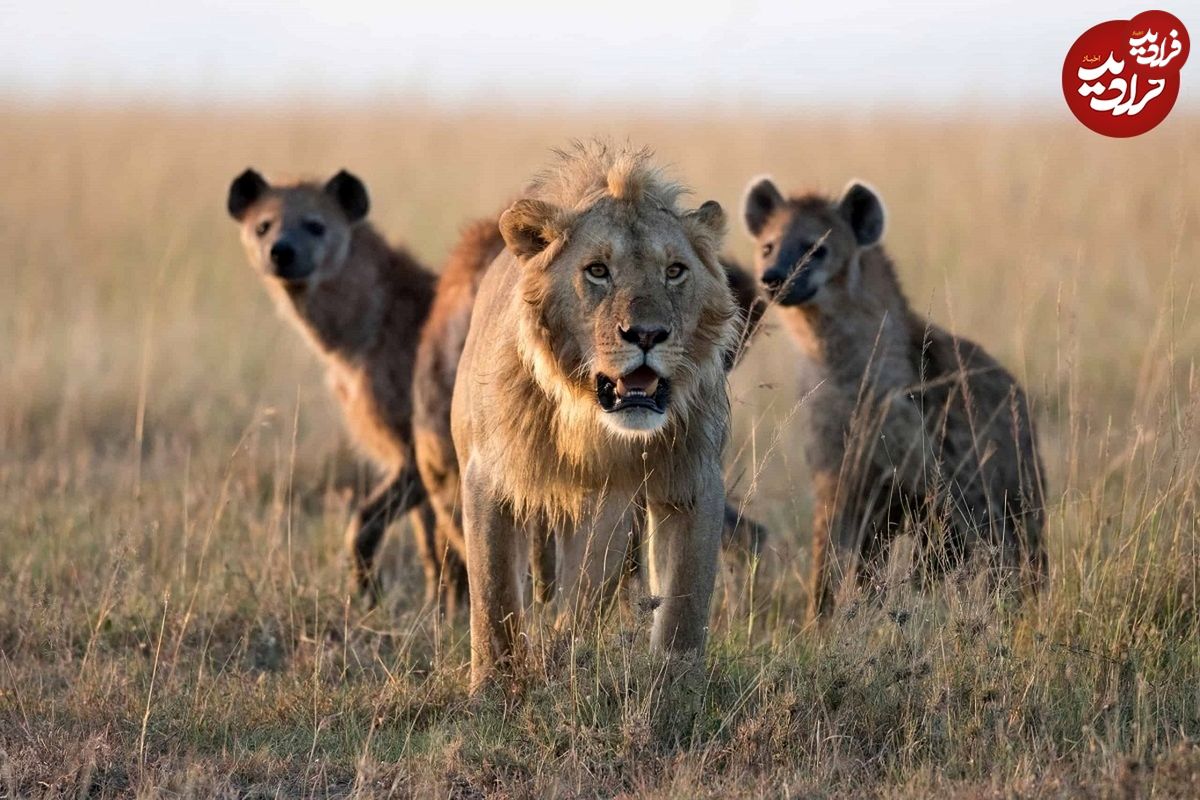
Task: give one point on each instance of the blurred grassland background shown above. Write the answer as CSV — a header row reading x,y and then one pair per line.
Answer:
x,y
174,479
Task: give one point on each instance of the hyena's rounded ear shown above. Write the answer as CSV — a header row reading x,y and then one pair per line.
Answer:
x,y
861,207
762,199
529,226
244,192
350,194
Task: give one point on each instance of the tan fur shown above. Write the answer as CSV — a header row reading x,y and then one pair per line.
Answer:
x,y
361,310
442,340
909,422
537,449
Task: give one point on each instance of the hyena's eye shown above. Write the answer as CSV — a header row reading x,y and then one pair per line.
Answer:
x,y
768,248
314,227
262,227
676,271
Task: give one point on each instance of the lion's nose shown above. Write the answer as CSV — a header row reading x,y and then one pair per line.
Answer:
x,y
643,336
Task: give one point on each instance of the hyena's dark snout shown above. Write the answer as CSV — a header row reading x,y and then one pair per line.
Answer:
x,y
283,255
773,279
788,287
287,263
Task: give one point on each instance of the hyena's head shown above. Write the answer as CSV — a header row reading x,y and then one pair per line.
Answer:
x,y
299,233
809,246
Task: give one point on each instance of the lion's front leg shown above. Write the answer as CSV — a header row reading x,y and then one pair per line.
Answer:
x,y
684,544
496,563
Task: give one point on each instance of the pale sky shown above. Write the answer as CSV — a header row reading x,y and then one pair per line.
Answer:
x,y
776,53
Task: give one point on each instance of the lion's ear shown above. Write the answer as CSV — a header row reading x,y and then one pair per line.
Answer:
x,y
706,226
529,226
762,198
711,216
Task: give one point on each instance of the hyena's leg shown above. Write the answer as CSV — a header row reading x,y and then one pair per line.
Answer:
x,y
1025,523
684,543
947,535
424,529
449,545
885,522
1015,559
851,537
496,564
829,562
870,570
591,559
445,572
452,577
395,496
741,534
438,467
542,561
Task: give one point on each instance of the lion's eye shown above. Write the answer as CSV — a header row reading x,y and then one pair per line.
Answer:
x,y
314,227
596,271
676,271
768,248
262,227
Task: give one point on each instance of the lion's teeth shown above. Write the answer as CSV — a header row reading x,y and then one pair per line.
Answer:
x,y
625,390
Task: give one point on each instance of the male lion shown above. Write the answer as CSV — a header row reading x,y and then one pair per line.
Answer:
x,y
909,422
442,338
593,379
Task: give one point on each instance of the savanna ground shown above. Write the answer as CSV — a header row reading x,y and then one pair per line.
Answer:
x,y
174,616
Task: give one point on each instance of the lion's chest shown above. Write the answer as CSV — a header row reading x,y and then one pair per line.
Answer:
x,y
542,475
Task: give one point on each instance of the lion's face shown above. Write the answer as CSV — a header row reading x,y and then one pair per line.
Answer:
x,y
627,306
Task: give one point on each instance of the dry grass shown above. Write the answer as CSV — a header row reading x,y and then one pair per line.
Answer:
x,y
173,618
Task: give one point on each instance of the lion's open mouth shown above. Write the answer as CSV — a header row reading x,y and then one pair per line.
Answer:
x,y
642,388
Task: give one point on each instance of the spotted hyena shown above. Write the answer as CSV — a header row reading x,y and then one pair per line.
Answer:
x,y
909,423
360,304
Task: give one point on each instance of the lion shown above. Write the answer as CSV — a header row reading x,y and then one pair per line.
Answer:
x,y
360,304
593,381
442,338
909,422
